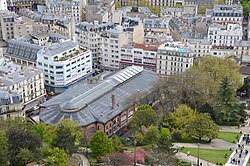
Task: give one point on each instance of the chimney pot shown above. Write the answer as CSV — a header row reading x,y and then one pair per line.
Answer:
x,y
113,101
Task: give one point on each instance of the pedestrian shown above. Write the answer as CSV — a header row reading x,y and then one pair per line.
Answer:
x,y
239,155
188,153
236,150
238,161
238,145
201,164
241,151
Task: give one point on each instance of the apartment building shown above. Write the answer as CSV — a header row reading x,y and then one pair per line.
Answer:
x,y
61,23
101,11
13,26
7,21
10,105
224,36
139,55
24,50
64,64
3,5
157,28
112,41
151,2
173,58
200,47
242,50
134,29
77,11
226,14
89,35
26,81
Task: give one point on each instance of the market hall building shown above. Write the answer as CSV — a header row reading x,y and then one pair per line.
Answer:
x,y
103,105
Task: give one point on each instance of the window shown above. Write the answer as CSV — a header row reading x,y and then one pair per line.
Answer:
x,y
59,67
45,58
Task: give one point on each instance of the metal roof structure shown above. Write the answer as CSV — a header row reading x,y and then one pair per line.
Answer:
x,y
92,103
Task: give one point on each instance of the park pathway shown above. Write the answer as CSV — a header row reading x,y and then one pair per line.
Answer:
x,y
216,144
192,159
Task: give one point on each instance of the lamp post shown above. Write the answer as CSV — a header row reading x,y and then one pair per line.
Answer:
x,y
135,153
198,159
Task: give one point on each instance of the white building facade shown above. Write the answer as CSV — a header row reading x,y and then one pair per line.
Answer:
x,y
224,35
139,55
89,35
26,81
173,58
64,63
112,41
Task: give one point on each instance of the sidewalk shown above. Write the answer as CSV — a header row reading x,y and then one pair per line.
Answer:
x,y
193,159
216,144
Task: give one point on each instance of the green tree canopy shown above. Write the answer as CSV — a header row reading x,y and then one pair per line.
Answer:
x,y
144,116
199,86
24,157
65,140
117,143
203,127
100,144
22,139
152,136
228,105
56,157
3,149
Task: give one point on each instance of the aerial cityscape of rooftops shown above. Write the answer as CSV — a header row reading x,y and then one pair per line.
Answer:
x,y
125,82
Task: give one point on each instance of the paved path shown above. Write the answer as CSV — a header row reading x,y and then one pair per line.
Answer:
x,y
239,155
217,144
193,159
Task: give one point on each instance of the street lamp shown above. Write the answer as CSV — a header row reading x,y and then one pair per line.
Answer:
x,y
135,153
198,159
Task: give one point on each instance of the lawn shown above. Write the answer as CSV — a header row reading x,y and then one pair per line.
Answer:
x,y
210,155
229,136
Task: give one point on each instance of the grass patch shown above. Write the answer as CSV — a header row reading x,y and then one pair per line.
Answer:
x,y
213,156
92,159
229,136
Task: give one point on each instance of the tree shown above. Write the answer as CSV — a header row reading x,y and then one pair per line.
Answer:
x,y
22,139
74,128
152,136
4,149
199,86
118,5
139,137
165,134
181,117
100,144
117,143
246,6
56,157
18,122
65,140
144,116
119,159
41,130
228,105
203,127
24,157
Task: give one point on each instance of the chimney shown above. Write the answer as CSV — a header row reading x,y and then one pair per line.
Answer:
x,y
113,101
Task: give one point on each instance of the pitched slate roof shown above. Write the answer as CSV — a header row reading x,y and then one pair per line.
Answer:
x,y
93,103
